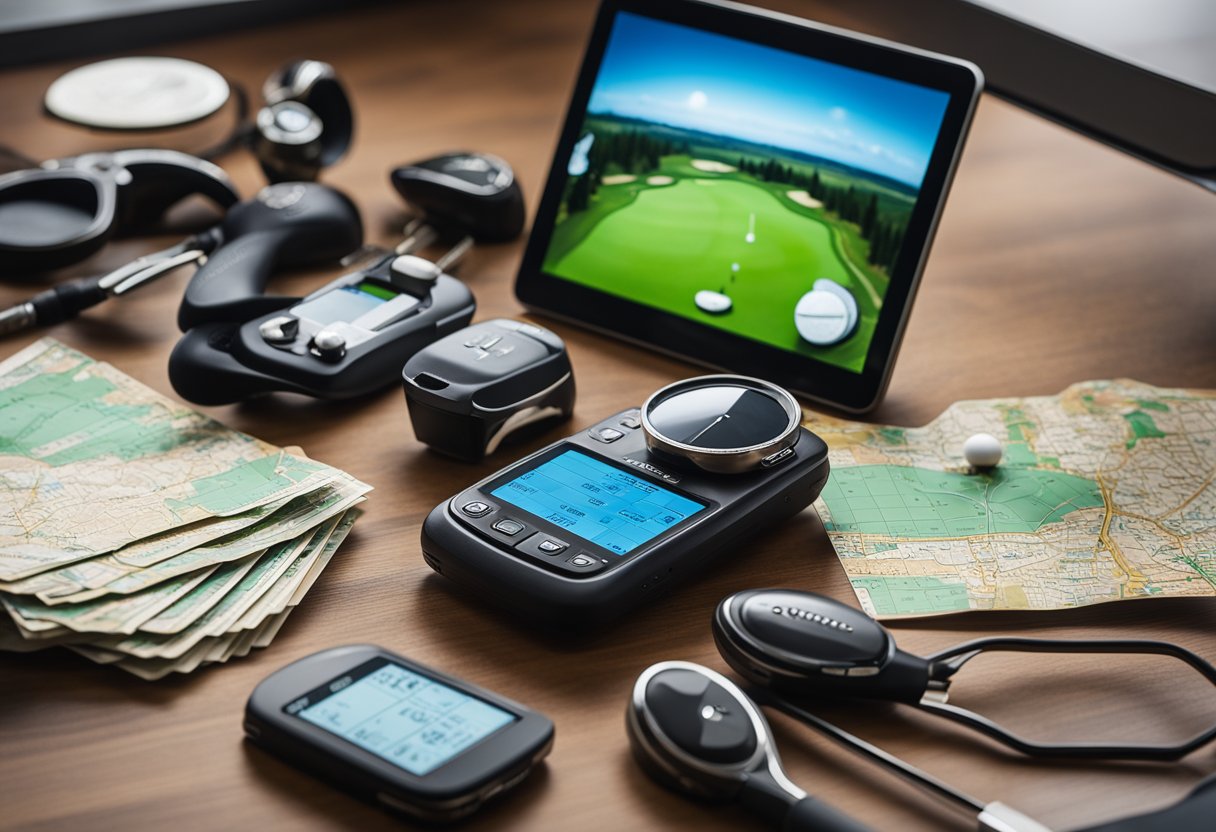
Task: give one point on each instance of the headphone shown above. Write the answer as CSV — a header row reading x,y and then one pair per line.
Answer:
x,y
306,124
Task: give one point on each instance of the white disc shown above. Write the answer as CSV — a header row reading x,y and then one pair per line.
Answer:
x,y
827,285
137,93
821,318
714,303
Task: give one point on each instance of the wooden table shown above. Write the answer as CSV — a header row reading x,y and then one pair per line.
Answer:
x,y
1058,260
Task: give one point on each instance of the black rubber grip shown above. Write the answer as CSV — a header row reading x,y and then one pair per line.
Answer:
x,y
812,815
67,300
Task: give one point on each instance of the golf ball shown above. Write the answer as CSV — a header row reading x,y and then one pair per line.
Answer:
x,y
983,450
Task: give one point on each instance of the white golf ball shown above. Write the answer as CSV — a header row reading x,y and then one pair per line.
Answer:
x,y
982,450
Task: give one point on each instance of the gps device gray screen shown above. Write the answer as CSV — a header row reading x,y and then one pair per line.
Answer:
x,y
410,720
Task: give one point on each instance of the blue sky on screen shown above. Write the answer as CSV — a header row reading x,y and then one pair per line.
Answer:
x,y
675,75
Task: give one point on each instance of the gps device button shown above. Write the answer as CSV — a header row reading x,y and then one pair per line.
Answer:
x,y
780,456
584,562
476,509
508,526
606,434
280,330
544,544
329,345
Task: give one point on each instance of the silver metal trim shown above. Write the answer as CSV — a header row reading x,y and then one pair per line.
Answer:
x,y
724,460
648,734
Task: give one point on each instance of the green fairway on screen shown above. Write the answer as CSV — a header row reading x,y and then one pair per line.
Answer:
x,y
754,190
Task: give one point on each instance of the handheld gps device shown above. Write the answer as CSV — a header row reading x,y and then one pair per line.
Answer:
x,y
582,531
348,338
409,738
749,191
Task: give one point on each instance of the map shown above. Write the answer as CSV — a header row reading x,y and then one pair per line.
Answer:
x,y
90,460
1104,493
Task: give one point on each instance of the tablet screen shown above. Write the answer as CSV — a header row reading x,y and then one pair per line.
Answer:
x,y
750,189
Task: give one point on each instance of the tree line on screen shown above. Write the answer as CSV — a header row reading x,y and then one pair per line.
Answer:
x,y
637,152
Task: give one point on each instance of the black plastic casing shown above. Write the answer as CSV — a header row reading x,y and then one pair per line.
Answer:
x,y
802,644
550,590
455,789
223,362
490,214
463,399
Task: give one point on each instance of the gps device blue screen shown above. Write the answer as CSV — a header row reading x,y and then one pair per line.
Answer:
x,y
597,502
408,719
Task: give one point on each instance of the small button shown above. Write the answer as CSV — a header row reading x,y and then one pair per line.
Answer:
x,y
542,545
631,422
508,526
780,456
476,508
329,345
280,330
606,434
584,562
550,546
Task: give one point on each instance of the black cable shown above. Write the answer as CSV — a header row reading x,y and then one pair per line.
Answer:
x,y
943,665
241,130
865,749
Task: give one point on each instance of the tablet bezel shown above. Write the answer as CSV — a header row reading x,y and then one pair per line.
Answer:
x,y
707,345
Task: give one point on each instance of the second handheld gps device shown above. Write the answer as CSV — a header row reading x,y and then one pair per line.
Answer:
x,y
346,339
414,740
595,524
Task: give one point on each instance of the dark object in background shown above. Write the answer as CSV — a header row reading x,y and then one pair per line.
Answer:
x,y
469,193
1136,76
37,31
468,391
306,125
65,210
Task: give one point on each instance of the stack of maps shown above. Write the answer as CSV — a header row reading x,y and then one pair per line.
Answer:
x,y
1105,493
140,533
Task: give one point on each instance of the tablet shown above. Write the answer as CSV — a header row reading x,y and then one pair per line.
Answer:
x,y
749,191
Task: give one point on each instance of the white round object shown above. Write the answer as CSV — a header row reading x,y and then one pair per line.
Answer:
x,y
982,450
137,93
824,284
821,318
714,303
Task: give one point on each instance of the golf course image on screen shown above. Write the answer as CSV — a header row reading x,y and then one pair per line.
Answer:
x,y
754,190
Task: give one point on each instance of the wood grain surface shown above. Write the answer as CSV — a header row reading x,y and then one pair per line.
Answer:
x,y
1058,260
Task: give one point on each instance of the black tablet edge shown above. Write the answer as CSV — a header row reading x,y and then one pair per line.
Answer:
x,y
865,389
